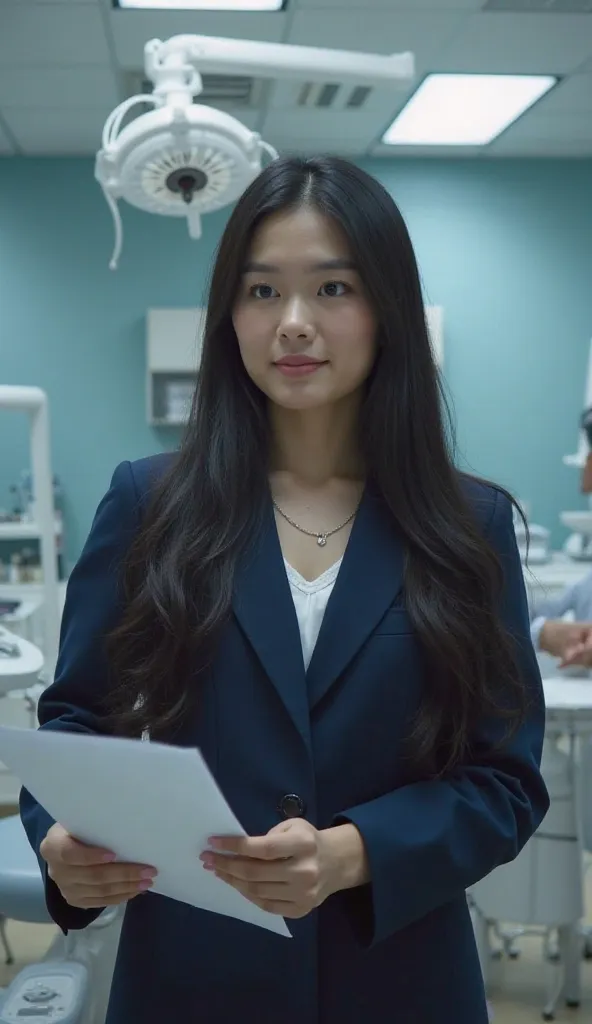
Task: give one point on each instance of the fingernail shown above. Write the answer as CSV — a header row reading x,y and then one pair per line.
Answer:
x,y
108,858
215,842
148,873
144,885
208,867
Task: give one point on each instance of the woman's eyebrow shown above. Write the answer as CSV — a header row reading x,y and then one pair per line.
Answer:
x,y
254,267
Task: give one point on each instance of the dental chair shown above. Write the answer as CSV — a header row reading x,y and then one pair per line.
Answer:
x,y
71,984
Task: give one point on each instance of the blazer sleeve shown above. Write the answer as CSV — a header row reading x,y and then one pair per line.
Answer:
x,y
429,841
73,702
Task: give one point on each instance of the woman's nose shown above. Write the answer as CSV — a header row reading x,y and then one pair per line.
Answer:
x,y
295,324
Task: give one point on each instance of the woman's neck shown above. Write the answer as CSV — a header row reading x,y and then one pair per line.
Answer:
x,y
316,445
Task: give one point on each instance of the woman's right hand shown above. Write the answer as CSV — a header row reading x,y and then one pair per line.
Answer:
x,y
89,877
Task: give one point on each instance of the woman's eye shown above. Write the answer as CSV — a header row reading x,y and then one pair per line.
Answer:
x,y
263,291
334,289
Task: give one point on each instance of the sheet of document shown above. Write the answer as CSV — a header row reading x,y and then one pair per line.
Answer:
x,y
147,802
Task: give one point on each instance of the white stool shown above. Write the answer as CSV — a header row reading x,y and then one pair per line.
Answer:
x,y
543,888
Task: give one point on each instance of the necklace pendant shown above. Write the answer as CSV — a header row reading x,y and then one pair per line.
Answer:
x,y
322,539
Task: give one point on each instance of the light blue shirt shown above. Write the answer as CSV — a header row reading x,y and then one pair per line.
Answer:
x,y
576,599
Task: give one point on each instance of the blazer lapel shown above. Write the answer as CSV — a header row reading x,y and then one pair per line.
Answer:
x,y
370,577
265,610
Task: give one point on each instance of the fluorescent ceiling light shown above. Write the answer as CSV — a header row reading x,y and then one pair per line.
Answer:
x,y
464,110
204,5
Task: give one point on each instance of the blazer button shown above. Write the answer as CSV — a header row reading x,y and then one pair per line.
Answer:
x,y
292,806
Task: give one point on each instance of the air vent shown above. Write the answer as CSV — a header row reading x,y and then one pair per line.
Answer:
x,y
235,89
358,96
540,6
218,90
331,94
327,95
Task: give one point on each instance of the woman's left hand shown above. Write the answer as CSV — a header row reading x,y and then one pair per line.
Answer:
x,y
293,869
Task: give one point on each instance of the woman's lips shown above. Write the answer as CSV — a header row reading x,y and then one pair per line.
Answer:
x,y
298,369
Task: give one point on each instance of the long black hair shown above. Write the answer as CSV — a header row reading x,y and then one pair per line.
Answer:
x,y
178,574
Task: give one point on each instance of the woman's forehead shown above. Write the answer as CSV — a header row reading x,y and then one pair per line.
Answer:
x,y
298,236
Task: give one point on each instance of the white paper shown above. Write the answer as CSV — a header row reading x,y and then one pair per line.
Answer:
x,y
146,802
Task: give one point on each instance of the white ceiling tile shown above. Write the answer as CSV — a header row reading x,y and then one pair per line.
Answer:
x,y
425,33
55,132
422,32
6,147
133,28
572,95
355,126
311,147
519,43
554,127
58,87
391,5
427,152
31,3
51,35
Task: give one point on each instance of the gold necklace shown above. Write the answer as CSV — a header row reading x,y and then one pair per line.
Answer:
x,y
321,537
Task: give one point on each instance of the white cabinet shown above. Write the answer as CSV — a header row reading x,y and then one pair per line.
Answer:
x,y
173,351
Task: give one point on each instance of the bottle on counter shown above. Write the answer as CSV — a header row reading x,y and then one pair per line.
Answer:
x,y
27,561
14,572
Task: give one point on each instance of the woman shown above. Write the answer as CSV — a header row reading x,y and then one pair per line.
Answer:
x,y
312,594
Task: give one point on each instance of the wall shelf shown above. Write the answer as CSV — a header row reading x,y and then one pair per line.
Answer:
x,y
24,531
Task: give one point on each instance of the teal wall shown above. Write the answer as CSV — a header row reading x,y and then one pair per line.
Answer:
x,y
504,246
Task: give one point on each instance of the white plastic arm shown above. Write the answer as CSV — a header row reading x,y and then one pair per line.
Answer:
x,y
211,54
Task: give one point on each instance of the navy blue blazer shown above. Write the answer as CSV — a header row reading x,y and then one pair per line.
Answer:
x,y
398,949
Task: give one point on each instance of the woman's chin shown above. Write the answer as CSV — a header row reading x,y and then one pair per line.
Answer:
x,y
299,402
298,395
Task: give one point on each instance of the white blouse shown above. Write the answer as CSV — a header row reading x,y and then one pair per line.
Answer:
x,y
310,601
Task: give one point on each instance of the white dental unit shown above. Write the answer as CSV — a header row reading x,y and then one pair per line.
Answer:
x,y
33,402
71,984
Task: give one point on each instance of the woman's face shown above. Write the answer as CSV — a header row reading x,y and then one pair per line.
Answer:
x,y
305,328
